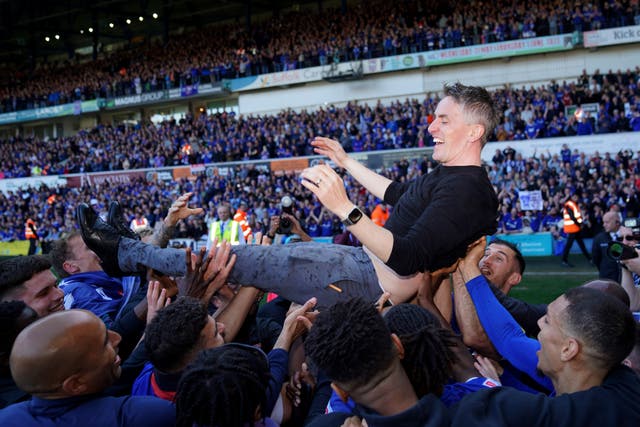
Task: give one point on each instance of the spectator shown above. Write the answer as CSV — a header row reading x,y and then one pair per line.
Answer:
x,y
85,354
608,268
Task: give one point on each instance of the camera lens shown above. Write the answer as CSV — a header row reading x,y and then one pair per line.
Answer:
x,y
616,250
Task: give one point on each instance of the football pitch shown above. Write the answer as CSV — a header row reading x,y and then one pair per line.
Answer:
x,y
545,279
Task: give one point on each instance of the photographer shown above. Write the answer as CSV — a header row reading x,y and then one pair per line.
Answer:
x,y
608,267
630,280
291,226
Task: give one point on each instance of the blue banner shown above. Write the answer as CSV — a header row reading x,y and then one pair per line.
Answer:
x,y
536,244
189,90
74,108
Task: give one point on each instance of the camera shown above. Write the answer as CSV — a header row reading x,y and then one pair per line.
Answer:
x,y
619,251
634,225
285,223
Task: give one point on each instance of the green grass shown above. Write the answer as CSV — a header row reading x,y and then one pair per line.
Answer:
x,y
545,279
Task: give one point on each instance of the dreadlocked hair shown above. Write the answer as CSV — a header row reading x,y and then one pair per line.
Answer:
x,y
223,387
428,358
350,343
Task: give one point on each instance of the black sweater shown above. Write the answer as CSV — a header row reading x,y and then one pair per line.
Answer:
x,y
436,216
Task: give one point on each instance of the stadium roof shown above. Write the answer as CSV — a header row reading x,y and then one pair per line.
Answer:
x,y
39,28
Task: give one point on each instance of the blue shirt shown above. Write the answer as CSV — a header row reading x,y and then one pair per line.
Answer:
x,y
98,293
505,333
91,410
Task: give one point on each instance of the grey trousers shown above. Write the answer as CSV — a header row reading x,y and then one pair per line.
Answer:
x,y
295,271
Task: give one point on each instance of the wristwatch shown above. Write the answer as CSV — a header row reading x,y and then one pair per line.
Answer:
x,y
353,217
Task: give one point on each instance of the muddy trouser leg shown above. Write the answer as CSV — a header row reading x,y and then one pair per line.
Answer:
x,y
300,271
168,261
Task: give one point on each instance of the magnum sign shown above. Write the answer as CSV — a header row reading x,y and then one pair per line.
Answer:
x,y
98,179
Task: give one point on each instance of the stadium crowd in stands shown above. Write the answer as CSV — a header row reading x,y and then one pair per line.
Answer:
x,y
364,31
147,335
601,180
529,113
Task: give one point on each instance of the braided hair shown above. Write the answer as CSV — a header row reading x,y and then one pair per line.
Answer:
x,y
428,356
223,387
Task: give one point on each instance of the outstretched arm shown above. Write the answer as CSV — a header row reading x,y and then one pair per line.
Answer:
x,y
463,368
628,267
503,331
179,210
374,183
473,334
327,185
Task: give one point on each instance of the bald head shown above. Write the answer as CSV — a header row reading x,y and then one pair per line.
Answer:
x,y
610,287
79,347
611,222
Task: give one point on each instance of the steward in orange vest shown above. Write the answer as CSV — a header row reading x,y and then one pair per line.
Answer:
x,y
572,218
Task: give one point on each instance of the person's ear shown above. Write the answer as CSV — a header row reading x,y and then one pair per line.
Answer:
x,y
476,132
257,415
74,385
570,349
399,346
342,393
70,267
513,279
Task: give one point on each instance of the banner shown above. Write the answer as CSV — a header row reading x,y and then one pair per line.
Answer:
x,y
406,62
189,90
537,244
143,98
99,178
530,200
17,247
17,184
289,165
74,108
611,36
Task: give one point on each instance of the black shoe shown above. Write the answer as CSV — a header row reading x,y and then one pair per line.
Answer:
x,y
115,218
101,238
567,264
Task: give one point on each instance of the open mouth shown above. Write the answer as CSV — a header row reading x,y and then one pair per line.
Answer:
x,y
58,307
438,141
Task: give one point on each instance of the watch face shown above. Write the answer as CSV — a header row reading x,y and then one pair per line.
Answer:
x,y
355,215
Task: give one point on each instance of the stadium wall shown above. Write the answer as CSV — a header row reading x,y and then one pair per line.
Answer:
x,y
518,71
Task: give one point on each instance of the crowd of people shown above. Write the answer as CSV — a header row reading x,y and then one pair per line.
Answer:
x,y
414,327
363,31
601,180
528,113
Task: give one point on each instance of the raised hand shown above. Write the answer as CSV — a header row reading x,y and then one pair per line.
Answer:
x,y
181,210
156,299
330,148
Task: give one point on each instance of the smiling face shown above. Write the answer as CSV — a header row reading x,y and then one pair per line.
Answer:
x,y
41,293
102,367
452,134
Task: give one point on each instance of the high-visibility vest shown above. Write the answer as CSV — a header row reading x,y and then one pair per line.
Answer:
x,y
230,233
28,232
379,216
241,218
571,226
